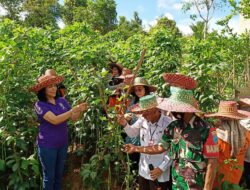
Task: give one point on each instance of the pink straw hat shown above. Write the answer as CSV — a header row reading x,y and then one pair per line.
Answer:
x,y
45,81
180,80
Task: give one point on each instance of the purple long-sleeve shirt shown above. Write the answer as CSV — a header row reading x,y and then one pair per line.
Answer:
x,y
50,135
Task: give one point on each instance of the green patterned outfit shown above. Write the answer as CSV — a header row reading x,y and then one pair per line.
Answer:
x,y
186,143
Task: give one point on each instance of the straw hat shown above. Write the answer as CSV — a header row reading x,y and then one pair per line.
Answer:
x,y
45,81
180,80
228,111
146,104
139,81
244,94
127,75
181,100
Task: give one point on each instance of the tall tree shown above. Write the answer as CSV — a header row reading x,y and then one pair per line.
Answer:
x,y
245,8
129,28
137,19
37,13
198,30
71,10
100,14
204,10
41,13
13,8
167,24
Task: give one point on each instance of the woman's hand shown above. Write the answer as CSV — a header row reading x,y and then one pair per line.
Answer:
x,y
77,110
128,116
122,120
129,148
80,108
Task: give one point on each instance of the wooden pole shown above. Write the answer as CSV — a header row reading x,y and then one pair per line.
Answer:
x,y
135,74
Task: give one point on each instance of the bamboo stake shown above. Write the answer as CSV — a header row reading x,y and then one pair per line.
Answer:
x,y
135,74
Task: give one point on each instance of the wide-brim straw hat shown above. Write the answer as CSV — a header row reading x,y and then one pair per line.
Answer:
x,y
45,81
146,104
244,94
181,100
180,80
228,111
126,73
114,64
244,99
140,81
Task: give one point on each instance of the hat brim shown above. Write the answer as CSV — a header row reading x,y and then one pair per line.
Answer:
x,y
240,115
179,80
244,99
46,83
125,76
168,104
151,88
137,109
119,66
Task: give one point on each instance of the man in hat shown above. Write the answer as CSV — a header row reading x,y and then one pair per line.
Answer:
x,y
192,143
233,140
243,101
150,127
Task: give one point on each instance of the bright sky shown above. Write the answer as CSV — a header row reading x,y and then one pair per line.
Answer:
x,y
149,10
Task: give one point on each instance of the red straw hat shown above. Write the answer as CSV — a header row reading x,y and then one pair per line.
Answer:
x,y
228,111
45,81
180,80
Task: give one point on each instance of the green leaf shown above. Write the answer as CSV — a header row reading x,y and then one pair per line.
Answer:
x,y
2,165
15,166
35,168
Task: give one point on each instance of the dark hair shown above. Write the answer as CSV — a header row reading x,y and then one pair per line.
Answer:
x,y
41,95
178,115
136,98
118,68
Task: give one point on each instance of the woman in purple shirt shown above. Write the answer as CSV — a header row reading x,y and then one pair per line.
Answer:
x,y
53,113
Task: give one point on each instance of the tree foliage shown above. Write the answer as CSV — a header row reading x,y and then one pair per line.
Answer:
x,y
100,14
167,24
81,52
129,28
35,13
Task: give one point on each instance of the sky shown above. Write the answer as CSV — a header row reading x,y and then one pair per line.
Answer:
x,y
150,10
